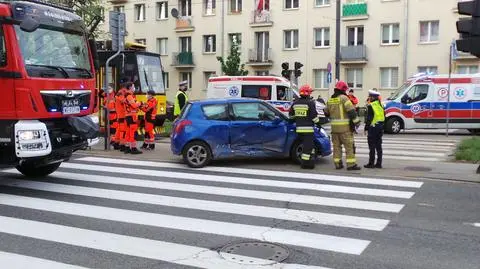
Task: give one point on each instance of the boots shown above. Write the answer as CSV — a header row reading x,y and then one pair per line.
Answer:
x,y
123,148
116,146
354,168
151,146
145,145
339,165
369,165
135,151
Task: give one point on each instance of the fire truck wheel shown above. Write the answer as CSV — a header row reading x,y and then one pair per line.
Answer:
x,y
29,170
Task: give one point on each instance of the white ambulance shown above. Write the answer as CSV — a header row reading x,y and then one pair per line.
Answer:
x,y
423,103
276,90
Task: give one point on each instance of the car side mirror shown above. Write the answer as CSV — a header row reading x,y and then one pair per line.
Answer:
x,y
404,100
277,120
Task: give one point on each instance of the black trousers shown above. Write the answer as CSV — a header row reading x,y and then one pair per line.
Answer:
x,y
308,152
375,135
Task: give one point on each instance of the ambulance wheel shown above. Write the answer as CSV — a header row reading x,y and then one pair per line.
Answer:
x,y
29,170
394,125
474,131
197,154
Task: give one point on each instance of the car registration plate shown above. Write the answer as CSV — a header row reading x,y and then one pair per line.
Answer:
x,y
71,106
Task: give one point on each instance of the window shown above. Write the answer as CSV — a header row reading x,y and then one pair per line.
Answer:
x,y
186,76
119,9
355,78
140,12
291,4
252,112
355,36
210,44
235,6
320,78
389,78
467,69
257,91
185,7
215,112
320,3
415,94
428,69
390,33
322,37
291,39
162,10
142,41
206,76
429,31
162,46
282,93
261,73
185,44
166,80
209,7
3,49
235,38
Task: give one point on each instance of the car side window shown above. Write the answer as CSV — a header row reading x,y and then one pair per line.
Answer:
x,y
252,112
263,92
416,93
3,49
215,112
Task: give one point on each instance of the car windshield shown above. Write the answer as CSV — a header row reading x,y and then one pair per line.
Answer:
x,y
150,73
45,47
399,91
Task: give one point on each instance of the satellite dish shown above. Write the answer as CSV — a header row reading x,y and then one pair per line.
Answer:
x,y
174,12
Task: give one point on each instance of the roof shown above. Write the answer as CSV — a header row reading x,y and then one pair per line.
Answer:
x,y
248,78
444,78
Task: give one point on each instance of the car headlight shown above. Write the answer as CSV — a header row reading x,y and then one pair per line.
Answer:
x,y
28,135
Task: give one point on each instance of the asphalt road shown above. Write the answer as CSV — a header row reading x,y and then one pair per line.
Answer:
x,y
110,213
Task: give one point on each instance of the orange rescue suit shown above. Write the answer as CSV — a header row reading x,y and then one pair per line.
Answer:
x,y
131,118
150,109
120,109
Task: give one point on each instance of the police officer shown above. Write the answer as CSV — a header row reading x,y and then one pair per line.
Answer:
x,y
181,98
374,127
304,112
342,115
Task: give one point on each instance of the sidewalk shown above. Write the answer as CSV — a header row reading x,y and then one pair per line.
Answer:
x,y
391,168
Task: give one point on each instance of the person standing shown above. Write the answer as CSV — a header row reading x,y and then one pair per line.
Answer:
x,y
150,109
122,125
131,118
181,98
374,124
342,115
304,112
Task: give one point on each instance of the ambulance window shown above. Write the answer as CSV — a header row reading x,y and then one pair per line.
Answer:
x,y
3,50
416,93
281,93
257,91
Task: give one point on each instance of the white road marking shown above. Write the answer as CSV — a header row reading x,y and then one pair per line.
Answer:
x,y
17,261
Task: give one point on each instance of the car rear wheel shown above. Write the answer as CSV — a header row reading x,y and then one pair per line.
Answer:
x,y
197,154
296,152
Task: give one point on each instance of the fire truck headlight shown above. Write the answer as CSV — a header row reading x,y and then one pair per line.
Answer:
x,y
95,119
28,135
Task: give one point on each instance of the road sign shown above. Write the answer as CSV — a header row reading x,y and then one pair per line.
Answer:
x,y
117,29
329,67
329,77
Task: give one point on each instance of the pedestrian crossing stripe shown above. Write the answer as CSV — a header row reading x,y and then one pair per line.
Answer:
x,y
232,203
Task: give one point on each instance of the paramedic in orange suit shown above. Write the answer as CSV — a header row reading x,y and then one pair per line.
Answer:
x,y
131,107
150,109
109,102
122,126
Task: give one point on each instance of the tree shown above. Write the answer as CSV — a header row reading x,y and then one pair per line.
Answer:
x,y
232,66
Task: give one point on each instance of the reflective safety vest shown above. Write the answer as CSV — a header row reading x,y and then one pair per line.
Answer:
x,y
337,108
304,112
177,109
378,113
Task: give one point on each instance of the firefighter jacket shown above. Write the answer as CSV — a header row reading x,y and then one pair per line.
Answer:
x,y
341,112
305,114
150,109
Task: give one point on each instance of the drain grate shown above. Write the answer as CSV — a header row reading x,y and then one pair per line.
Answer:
x,y
418,168
255,253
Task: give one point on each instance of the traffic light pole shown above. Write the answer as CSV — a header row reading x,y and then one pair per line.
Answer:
x,y
337,40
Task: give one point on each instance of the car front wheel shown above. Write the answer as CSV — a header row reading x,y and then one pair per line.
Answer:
x,y
197,154
296,152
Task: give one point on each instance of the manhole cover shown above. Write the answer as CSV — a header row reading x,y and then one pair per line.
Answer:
x,y
418,168
258,253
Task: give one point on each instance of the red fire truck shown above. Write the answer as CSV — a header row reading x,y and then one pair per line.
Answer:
x,y
48,97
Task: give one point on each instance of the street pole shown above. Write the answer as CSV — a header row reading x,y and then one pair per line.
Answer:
x,y
223,33
337,40
449,84
108,97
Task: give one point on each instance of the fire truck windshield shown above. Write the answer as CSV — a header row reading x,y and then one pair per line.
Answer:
x,y
150,73
65,51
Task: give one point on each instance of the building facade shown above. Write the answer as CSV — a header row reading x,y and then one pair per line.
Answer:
x,y
382,42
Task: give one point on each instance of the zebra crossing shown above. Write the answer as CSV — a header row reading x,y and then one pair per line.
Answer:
x,y
167,215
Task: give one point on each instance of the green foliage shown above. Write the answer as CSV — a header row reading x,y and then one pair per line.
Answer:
x,y
233,66
469,150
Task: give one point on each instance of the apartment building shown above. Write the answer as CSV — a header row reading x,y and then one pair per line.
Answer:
x,y
382,41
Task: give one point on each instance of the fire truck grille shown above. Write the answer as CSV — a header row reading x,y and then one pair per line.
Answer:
x,y
53,100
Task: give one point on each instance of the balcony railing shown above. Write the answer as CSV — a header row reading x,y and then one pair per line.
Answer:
x,y
260,56
354,9
353,53
184,24
183,59
262,18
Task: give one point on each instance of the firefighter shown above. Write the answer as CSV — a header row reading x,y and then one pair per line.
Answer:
x,y
181,98
131,107
122,125
303,110
374,127
342,115
150,109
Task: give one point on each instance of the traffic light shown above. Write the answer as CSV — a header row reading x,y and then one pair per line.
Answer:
x,y
285,71
297,71
469,28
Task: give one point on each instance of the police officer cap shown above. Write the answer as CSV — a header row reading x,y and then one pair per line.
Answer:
x,y
373,93
183,83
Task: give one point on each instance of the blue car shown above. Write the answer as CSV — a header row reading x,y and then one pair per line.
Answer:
x,y
237,128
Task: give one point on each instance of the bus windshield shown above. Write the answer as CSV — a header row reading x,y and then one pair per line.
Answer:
x,y
150,74
399,91
48,48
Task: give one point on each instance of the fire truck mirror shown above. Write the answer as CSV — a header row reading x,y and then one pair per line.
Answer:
x,y
29,25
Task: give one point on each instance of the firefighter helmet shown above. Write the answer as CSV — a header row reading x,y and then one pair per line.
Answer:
x,y
305,90
341,85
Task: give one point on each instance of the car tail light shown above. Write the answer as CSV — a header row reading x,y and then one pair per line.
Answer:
x,y
181,125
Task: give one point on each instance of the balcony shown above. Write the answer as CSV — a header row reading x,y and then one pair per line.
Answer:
x,y
353,54
183,60
260,57
184,24
261,19
354,11
464,56
116,2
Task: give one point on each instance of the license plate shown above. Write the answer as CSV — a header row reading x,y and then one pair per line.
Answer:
x,y
71,106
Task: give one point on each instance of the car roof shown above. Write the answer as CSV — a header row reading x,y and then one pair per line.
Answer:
x,y
212,101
